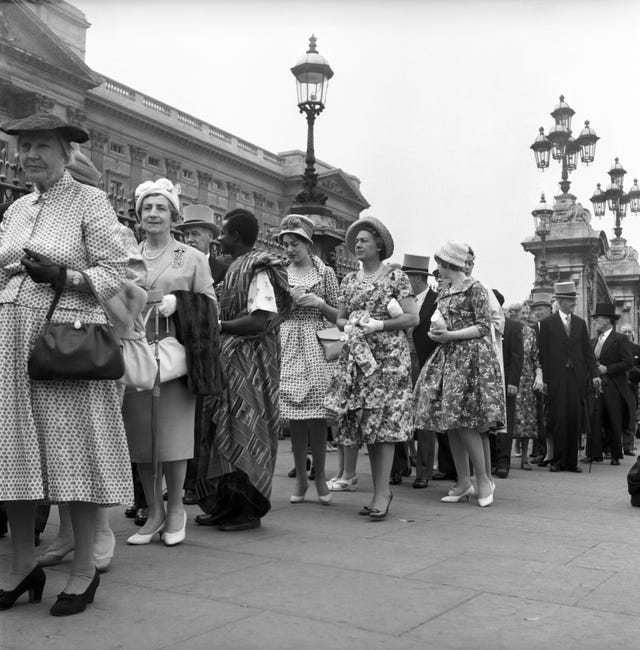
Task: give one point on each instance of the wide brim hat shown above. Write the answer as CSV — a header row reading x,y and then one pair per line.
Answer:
x,y
162,186
418,264
198,216
378,226
297,224
45,122
565,290
538,299
453,252
606,309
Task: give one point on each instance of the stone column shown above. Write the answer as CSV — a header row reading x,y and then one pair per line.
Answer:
x,y
204,181
98,140
137,158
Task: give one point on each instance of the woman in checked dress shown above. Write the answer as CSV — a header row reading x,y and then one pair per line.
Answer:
x,y
305,373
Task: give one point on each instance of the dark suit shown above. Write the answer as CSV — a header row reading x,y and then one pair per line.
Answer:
x,y
633,377
567,364
612,409
421,347
513,358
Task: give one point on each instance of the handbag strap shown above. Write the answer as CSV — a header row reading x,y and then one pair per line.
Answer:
x,y
58,293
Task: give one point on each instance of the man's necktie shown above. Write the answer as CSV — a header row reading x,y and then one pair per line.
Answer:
x,y
598,349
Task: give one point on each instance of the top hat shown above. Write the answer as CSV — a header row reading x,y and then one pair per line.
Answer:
x,y
378,226
415,264
606,309
541,298
45,122
198,216
297,224
453,252
565,290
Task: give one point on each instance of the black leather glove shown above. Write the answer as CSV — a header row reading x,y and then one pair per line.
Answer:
x,y
42,270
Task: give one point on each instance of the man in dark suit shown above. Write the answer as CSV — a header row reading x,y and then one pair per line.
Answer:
x,y
613,406
633,378
568,362
541,307
512,358
417,269
200,231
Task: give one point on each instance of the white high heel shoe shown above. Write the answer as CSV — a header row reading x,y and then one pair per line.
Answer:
x,y
455,498
171,539
139,539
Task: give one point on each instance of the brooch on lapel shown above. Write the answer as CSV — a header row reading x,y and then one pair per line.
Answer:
x,y
178,258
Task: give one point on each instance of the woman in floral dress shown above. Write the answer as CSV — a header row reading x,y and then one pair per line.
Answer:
x,y
460,387
304,370
370,392
526,421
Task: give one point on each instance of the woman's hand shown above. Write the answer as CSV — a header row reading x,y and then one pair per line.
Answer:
x,y
371,325
308,300
441,336
40,268
168,305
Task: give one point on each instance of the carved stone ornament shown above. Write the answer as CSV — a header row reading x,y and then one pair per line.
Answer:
x,y
137,154
173,167
204,178
42,103
76,116
98,139
566,210
619,251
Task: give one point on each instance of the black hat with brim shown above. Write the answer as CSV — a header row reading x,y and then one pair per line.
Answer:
x,y
605,309
45,122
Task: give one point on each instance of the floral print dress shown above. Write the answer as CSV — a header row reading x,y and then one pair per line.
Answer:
x,y
460,386
376,407
526,422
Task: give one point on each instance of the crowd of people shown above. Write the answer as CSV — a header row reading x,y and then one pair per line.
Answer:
x,y
246,342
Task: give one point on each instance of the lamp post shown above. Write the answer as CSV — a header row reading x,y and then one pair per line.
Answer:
x,y
614,197
542,219
312,73
560,144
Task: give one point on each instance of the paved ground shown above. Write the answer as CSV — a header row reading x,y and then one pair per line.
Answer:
x,y
552,564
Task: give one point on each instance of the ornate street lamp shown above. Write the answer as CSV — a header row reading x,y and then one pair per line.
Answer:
x,y
562,147
312,73
615,199
542,215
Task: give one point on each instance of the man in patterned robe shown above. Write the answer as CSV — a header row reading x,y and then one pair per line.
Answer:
x,y
240,428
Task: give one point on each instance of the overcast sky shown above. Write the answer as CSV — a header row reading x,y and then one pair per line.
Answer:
x,y
433,104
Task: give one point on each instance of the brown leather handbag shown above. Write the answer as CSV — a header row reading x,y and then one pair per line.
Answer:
x,y
88,351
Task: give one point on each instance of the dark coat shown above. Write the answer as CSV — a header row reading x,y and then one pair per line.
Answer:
x,y
423,344
512,352
559,353
219,266
617,356
634,373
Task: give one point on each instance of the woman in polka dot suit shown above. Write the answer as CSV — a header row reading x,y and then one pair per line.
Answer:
x,y
61,441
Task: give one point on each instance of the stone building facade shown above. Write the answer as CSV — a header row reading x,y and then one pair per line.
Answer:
x,y
135,137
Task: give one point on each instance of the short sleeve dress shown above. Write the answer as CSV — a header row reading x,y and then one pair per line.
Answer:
x,y
460,386
375,408
305,373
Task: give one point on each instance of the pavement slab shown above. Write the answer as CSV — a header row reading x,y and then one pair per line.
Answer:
x,y
552,564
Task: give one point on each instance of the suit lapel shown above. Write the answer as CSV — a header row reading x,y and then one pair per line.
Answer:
x,y
559,324
607,343
427,305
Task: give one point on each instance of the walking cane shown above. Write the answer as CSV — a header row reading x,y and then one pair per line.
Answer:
x,y
155,299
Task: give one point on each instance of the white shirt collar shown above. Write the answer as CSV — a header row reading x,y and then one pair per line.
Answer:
x,y
421,297
605,334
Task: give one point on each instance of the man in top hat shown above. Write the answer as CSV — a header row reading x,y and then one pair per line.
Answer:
x,y
613,406
421,346
541,309
200,231
568,362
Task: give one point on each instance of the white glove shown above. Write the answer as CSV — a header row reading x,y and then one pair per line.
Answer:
x,y
372,325
168,306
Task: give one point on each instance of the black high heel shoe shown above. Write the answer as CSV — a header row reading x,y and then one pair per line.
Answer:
x,y
68,604
33,582
376,514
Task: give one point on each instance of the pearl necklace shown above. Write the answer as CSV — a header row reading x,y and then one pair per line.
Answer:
x,y
154,257
370,278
